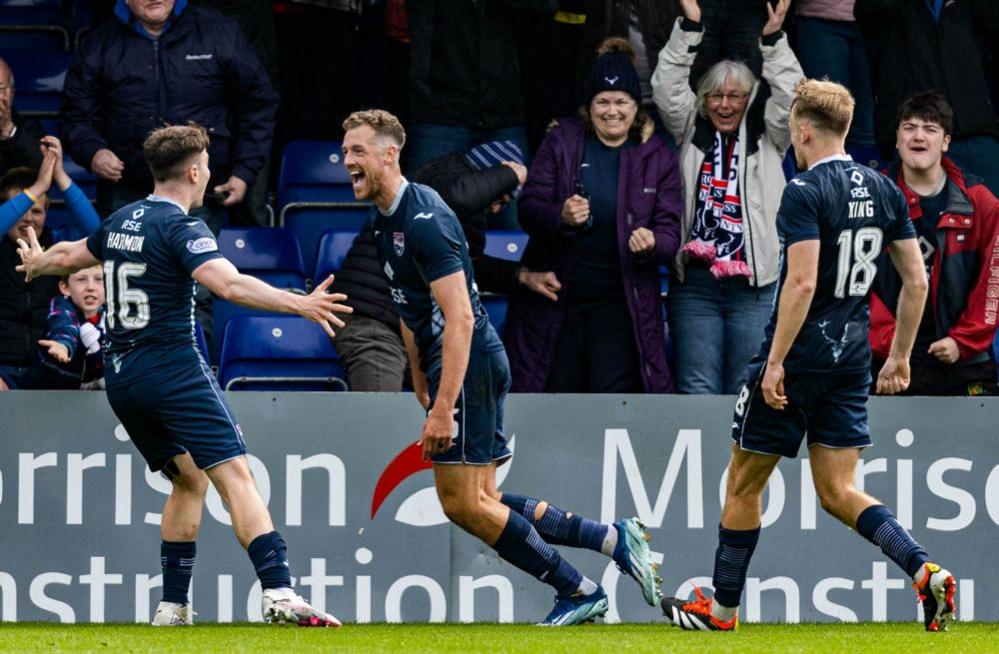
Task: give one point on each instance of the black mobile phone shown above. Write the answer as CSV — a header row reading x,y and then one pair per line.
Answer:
x,y
581,192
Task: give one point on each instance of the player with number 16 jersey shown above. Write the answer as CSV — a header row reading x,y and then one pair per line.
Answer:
x,y
149,249
158,384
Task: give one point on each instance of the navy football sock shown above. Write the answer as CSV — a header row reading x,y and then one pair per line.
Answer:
x,y
878,525
521,545
177,561
270,559
735,549
556,527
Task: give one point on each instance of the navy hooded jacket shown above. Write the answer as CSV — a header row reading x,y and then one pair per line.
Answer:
x,y
201,68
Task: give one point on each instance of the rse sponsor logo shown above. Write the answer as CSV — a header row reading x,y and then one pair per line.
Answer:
x,y
202,245
860,193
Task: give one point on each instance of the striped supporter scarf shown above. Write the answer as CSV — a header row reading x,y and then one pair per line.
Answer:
x,y
716,237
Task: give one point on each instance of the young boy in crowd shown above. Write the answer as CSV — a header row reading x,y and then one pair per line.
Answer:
x,y
75,328
70,356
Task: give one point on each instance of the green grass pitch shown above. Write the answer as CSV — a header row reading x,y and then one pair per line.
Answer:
x,y
494,639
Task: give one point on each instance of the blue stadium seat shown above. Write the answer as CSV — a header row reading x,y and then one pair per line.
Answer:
x,y
270,253
332,250
495,306
38,4
278,353
33,26
309,227
39,79
869,156
313,170
222,312
314,181
80,21
506,244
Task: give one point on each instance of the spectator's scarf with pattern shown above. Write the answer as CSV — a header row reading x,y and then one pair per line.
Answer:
x,y
716,237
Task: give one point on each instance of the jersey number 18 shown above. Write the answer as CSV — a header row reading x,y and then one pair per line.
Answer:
x,y
127,298
857,264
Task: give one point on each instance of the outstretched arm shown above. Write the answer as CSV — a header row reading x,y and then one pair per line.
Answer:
x,y
61,259
792,309
222,279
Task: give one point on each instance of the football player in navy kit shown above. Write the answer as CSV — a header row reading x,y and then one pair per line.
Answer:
x,y
461,377
158,384
812,374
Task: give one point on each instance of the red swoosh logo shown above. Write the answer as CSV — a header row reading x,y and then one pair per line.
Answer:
x,y
406,463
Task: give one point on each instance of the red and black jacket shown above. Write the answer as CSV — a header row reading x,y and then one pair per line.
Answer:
x,y
964,284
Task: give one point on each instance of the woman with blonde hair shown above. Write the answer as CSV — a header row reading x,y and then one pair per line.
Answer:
x,y
732,135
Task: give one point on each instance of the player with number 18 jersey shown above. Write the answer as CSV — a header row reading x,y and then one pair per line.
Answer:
x,y
812,376
855,213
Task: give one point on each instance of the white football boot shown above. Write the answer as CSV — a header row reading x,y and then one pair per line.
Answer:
x,y
171,614
283,606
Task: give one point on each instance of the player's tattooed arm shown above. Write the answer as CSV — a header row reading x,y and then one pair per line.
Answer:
x,y
792,309
908,260
61,259
420,386
222,279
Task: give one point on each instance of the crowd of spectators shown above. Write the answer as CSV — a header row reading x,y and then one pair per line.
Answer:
x,y
640,144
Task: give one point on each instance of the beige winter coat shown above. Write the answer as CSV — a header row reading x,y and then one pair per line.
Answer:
x,y
764,139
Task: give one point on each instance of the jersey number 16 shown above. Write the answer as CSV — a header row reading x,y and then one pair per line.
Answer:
x,y
857,264
120,306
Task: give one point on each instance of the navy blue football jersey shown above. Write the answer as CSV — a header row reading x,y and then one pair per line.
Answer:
x,y
855,213
420,241
149,249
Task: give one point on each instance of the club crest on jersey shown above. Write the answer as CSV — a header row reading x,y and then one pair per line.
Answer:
x,y
398,243
202,245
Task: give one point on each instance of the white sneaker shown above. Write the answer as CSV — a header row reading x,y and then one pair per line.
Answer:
x,y
171,614
282,605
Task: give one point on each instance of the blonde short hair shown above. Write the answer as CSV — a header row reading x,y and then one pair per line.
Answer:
x,y
385,125
825,104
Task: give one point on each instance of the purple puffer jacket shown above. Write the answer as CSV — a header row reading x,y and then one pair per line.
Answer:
x,y
649,195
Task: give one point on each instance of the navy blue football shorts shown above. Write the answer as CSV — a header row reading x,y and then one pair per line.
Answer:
x,y
173,409
830,409
478,415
